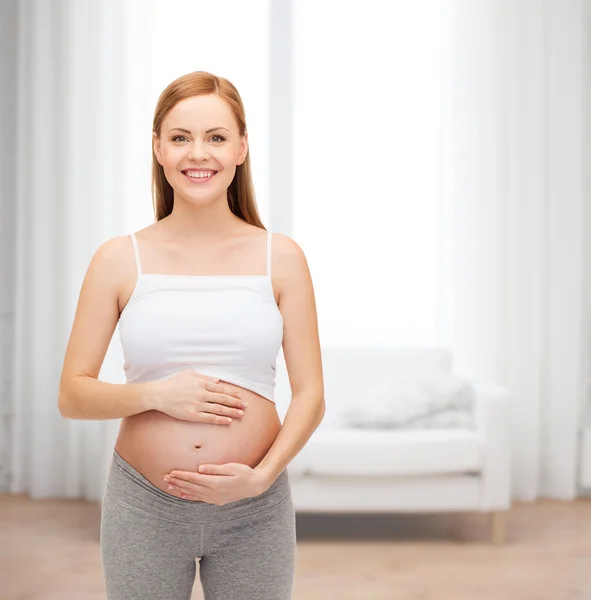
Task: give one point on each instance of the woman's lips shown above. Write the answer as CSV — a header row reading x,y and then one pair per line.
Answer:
x,y
199,179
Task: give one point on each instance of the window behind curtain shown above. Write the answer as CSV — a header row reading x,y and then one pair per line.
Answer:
x,y
367,171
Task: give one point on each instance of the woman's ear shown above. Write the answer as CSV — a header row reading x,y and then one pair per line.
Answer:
x,y
243,149
156,141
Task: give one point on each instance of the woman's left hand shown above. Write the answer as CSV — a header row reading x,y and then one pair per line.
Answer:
x,y
218,484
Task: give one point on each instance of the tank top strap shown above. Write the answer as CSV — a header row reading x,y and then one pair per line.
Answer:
x,y
269,253
136,253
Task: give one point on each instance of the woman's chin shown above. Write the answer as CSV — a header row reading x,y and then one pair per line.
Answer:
x,y
203,199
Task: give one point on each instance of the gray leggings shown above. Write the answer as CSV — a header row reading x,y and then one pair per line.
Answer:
x,y
150,541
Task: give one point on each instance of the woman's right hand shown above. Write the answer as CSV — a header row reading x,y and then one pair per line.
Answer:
x,y
192,396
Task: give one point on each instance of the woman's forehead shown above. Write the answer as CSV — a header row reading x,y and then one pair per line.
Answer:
x,y
201,113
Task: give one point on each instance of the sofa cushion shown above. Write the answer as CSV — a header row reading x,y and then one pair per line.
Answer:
x,y
412,401
358,452
350,371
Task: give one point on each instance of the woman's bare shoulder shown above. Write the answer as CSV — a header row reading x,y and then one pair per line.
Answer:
x,y
113,269
117,252
112,252
288,262
286,248
113,264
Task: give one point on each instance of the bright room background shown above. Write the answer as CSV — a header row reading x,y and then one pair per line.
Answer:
x,y
428,156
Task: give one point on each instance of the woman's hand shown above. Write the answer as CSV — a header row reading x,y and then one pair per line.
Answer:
x,y
192,396
218,484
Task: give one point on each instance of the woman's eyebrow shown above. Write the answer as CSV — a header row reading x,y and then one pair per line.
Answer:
x,y
187,131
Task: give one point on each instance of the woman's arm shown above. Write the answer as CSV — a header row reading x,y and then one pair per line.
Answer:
x,y
301,349
81,395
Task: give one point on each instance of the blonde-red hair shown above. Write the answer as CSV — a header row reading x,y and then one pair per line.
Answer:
x,y
241,196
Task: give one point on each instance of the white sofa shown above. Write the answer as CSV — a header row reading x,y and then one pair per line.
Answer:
x,y
348,470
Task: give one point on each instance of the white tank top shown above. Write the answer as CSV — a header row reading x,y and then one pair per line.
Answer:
x,y
226,326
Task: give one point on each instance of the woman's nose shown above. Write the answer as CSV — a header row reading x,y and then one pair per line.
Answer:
x,y
198,151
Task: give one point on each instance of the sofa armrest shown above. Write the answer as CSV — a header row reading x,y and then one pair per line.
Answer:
x,y
494,426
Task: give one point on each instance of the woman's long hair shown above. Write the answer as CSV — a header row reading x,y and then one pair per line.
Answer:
x,y
241,196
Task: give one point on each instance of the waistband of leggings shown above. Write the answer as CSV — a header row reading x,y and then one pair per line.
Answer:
x,y
129,486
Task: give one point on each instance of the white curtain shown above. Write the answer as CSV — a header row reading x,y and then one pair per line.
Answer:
x,y
8,70
515,259
82,124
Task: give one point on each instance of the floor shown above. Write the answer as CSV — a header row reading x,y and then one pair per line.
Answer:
x,y
49,550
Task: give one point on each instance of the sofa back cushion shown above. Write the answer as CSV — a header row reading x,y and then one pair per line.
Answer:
x,y
350,371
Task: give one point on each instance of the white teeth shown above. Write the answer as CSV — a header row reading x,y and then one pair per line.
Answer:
x,y
199,174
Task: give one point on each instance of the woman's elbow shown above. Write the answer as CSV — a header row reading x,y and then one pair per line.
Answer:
x,y
64,400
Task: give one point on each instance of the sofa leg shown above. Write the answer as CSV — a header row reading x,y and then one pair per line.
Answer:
x,y
498,523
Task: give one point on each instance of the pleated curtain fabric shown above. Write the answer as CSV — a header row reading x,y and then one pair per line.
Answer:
x,y
516,270
82,117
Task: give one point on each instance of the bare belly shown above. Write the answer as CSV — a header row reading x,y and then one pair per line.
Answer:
x,y
155,443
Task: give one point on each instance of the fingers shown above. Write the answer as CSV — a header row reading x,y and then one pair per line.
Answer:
x,y
222,389
228,401
225,469
220,409
187,487
210,418
202,376
214,395
220,403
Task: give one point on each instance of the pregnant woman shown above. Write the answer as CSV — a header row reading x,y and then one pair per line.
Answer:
x,y
205,297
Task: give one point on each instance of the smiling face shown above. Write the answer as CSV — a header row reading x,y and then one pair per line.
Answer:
x,y
199,149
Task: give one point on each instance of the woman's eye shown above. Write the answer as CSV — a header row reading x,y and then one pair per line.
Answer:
x,y
177,137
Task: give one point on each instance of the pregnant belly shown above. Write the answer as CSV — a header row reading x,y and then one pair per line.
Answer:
x,y
155,443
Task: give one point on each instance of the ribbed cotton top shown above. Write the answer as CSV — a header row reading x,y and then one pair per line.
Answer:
x,y
226,326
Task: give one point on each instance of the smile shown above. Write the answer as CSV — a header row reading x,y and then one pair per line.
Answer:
x,y
199,176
